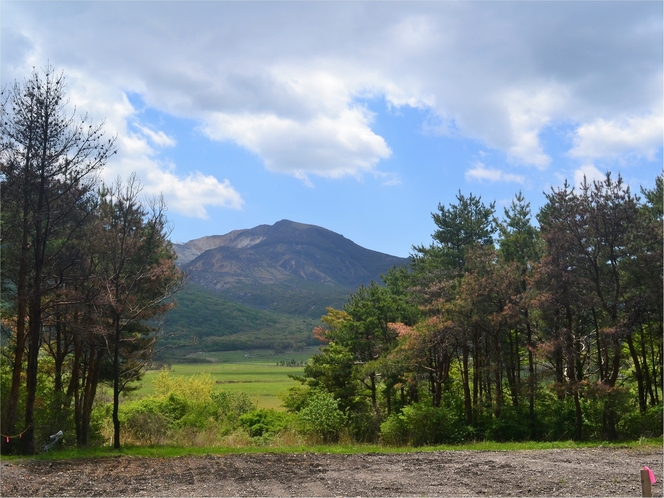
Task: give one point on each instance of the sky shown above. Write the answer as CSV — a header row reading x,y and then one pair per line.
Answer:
x,y
360,117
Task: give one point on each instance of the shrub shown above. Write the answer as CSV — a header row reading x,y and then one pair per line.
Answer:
x,y
321,416
512,425
150,427
555,417
394,431
421,424
266,423
232,405
364,425
634,425
182,407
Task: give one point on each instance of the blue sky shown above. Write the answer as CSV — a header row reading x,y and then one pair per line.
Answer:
x,y
360,117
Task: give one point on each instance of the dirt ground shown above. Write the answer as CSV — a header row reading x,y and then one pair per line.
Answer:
x,y
578,472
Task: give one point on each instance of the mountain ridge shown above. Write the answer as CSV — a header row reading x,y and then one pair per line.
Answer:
x,y
270,266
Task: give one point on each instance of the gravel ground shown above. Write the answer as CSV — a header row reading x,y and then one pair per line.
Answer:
x,y
577,472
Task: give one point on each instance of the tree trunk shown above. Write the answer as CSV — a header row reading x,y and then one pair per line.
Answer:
x,y
116,385
638,373
531,382
467,400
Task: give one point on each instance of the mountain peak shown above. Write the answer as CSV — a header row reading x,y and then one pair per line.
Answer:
x,y
280,259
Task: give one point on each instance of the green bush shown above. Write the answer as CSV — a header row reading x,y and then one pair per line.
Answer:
x,y
394,431
183,405
232,405
512,425
555,417
321,416
421,424
147,426
364,425
634,425
265,423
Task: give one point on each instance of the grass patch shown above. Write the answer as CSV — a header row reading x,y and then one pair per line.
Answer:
x,y
255,372
341,449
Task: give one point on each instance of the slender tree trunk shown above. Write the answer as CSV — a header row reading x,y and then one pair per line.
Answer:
x,y
21,313
91,392
498,374
467,400
600,362
570,353
638,373
34,334
116,384
646,369
531,382
374,399
655,376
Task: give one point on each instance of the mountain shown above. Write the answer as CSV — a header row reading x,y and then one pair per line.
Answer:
x,y
288,267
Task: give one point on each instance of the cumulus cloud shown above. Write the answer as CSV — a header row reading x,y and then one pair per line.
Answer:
x,y
480,172
188,193
641,135
285,80
589,173
327,146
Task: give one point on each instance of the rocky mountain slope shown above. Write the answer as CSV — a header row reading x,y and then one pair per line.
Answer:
x,y
288,267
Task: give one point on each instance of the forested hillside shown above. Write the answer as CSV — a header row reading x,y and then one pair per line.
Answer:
x,y
506,329
203,321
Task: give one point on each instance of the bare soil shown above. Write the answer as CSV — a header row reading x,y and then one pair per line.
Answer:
x,y
577,472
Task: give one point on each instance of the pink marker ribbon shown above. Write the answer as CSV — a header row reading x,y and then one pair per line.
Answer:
x,y
651,474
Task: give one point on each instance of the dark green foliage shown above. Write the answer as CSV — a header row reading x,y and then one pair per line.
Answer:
x,y
554,334
634,425
459,227
422,424
265,423
512,425
205,320
294,297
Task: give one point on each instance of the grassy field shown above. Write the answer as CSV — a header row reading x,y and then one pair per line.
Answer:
x,y
347,449
253,372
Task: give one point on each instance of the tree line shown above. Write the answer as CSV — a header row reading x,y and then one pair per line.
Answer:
x,y
506,329
86,268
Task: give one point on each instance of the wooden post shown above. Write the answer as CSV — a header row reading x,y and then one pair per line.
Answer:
x,y
646,485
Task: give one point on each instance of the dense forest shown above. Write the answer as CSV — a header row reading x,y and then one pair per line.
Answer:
x,y
86,269
506,329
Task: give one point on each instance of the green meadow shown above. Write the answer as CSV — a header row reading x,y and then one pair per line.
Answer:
x,y
255,372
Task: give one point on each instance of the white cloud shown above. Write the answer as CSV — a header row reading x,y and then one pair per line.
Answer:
x,y
480,172
327,146
588,172
159,138
190,193
528,114
641,135
283,79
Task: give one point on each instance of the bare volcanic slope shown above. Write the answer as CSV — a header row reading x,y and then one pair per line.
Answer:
x,y
273,266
